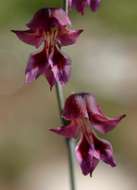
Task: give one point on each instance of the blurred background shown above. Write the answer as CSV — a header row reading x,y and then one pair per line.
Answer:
x,y
104,63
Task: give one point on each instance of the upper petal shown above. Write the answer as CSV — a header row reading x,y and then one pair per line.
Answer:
x,y
40,19
48,18
84,105
68,36
35,66
105,124
98,119
61,17
75,107
31,37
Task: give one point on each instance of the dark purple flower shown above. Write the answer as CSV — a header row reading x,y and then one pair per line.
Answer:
x,y
80,5
50,27
84,115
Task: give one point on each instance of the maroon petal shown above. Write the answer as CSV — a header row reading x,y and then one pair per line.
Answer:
x,y
75,107
59,68
68,36
104,124
79,5
90,152
36,66
98,120
94,4
49,74
69,131
85,156
40,19
30,37
48,18
104,151
61,17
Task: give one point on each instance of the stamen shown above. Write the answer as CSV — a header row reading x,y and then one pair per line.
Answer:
x,y
86,129
50,40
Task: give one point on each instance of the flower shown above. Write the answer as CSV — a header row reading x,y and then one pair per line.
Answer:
x,y
80,5
84,115
50,27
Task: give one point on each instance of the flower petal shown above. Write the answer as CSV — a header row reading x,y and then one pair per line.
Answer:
x,y
40,19
79,5
105,124
85,156
61,17
104,149
30,37
75,107
98,120
58,69
35,67
49,74
94,4
90,152
48,18
80,105
69,131
68,36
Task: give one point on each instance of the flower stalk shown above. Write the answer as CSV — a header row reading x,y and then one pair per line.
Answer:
x,y
66,5
69,142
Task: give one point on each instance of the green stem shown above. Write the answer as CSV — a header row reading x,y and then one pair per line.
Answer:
x,y
69,142
65,5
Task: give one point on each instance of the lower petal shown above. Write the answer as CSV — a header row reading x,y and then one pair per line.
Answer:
x,y
35,66
58,68
85,156
105,150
